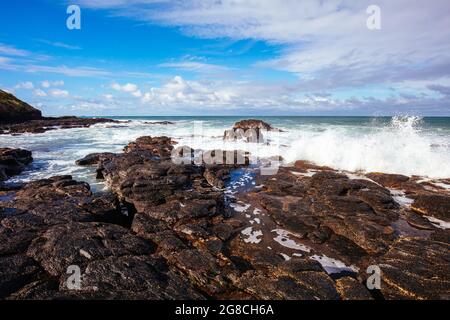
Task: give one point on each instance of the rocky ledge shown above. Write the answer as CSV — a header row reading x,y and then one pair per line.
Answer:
x,y
47,124
203,230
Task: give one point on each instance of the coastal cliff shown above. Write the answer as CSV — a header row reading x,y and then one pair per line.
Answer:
x,y
18,117
13,110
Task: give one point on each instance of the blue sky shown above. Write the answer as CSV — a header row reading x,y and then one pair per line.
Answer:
x,y
268,57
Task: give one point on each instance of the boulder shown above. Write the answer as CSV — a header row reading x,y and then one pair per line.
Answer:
x,y
13,162
248,130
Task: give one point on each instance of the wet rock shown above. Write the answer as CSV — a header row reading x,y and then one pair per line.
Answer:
x,y
418,221
435,205
441,235
93,158
415,269
253,124
13,162
306,165
78,243
213,179
388,180
351,289
48,202
160,147
202,268
331,203
165,123
308,285
15,272
134,277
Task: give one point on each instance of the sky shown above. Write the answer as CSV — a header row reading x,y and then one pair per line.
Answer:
x,y
228,57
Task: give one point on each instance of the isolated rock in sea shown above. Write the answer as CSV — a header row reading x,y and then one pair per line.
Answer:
x,y
165,123
253,124
248,130
13,110
13,162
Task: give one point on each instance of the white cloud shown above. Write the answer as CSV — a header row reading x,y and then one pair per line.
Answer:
x,y
131,88
178,91
40,93
28,85
48,84
58,93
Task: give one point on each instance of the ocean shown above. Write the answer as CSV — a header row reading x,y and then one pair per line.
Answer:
x,y
403,145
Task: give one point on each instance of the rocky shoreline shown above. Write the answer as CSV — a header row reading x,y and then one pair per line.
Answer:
x,y
17,117
223,231
46,124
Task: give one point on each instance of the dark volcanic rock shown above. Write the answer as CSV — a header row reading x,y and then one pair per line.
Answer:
x,y
15,272
15,110
435,205
134,277
93,158
351,289
79,243
253,124
158,147
415,269
248,130
388,180
165,123
358,210
46,124
13,162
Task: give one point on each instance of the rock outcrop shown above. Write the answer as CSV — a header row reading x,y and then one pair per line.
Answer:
x,y
13,162
248,130
18,117
13,110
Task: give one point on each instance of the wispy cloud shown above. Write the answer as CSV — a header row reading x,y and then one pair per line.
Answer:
x,y
195,66
12,51
79,71
60,44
